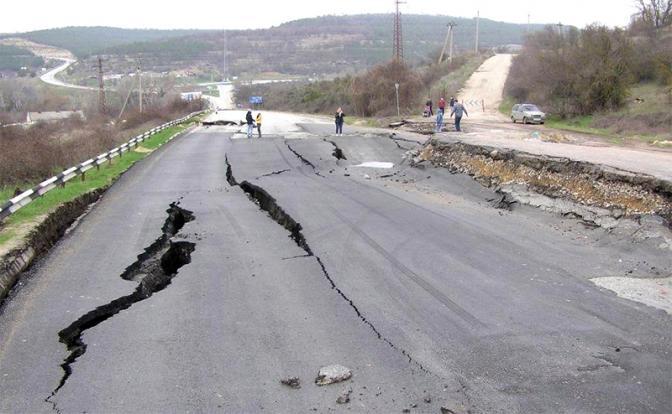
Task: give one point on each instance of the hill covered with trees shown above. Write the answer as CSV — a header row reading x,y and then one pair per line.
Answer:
x,y
322,46
14,58
84,41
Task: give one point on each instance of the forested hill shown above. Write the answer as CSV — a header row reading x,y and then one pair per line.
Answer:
x,y
317,46
83,41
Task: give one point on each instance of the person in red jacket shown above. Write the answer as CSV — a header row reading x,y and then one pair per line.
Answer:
x,y
442,106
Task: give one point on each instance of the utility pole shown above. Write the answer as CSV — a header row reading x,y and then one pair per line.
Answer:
x,y
561,32
478,18
396,87
527,29
398,51
452,31
448,41
101,87
139,74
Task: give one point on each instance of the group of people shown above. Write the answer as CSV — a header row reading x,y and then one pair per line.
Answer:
x,y
252,122
457,110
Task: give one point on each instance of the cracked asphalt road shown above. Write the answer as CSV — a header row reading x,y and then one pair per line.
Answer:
x,y
413,281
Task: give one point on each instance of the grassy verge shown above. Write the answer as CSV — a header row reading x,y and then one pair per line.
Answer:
x,y
365,122
506,106
16,226
582,124
645,118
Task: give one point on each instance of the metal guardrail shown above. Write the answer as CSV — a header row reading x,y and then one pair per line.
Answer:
x,y
28,196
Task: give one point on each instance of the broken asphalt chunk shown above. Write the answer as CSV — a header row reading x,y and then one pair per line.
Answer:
x,y
344,398
332,374
292,382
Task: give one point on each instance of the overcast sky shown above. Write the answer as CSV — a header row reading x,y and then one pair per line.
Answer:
x,y
23,15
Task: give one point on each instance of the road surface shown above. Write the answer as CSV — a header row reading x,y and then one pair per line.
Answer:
x,y
294,259
484,90
50,77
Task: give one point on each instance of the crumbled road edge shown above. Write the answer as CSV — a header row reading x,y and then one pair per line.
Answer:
x,y
607,190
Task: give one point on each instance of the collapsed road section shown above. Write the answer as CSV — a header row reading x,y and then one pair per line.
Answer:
x,y
154,271
597,194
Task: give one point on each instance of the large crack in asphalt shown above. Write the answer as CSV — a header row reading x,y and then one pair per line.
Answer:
x,y
304,159
269,204
154,270
338,152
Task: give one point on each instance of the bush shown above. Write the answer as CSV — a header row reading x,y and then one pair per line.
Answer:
x,y
31,154
374,93
574,73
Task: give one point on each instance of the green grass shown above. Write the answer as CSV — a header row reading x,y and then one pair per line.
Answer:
x,y
94,179
506,106
653,101
581,124
363,121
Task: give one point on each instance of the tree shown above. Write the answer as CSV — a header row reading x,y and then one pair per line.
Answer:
x,y
655,14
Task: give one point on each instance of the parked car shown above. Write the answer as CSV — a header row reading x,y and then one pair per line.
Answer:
x,y
527,114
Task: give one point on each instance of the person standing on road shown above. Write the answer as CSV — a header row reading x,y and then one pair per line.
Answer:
x,y
430,104
452,102
458,111
259,124
442,106
340,118
439,121
250,123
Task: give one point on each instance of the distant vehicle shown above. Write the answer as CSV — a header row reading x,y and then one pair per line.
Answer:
x,y
527,114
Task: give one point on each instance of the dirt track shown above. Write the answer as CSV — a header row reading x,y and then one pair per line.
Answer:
x,y
483,91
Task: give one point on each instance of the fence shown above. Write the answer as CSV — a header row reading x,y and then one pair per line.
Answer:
x,y
28,196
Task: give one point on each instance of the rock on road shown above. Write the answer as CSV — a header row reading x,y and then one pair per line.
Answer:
x,y
409,278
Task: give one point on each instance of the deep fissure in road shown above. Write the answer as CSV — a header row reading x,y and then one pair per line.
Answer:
x,y
154,270
338,152
304,159
269,204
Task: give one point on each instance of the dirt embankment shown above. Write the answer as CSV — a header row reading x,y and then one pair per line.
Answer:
x,y
42,238
604,192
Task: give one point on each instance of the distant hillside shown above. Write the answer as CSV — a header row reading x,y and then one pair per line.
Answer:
x,y
317,46
13,58
83,41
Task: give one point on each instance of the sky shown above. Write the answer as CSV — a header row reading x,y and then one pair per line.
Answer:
x,y
20,16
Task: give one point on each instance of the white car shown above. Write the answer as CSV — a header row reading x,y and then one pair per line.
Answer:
x,y
527,114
